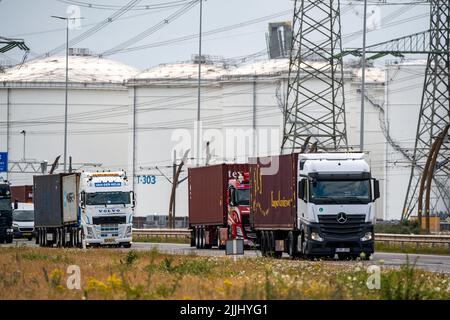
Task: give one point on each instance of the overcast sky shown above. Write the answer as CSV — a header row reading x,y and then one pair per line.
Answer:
x,y
30,20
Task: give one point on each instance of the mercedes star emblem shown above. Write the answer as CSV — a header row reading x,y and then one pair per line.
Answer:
x,y
341,218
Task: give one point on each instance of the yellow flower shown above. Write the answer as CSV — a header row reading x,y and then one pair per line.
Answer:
x,y
55,277
227,283
94,284
114,282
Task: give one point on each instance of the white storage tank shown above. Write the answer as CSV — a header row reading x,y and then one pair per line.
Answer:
x,y
32,100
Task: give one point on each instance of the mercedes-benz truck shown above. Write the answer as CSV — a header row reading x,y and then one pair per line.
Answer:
x,y
317,204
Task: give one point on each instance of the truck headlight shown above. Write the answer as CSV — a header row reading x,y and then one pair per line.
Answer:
x,y
129,231
15,226
316,237
90,233
367,236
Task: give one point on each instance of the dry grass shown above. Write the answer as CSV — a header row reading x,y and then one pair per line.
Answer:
x,y
40,273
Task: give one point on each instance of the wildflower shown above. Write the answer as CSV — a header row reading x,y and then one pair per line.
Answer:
x,y
94,284
55,277
114,282
227,283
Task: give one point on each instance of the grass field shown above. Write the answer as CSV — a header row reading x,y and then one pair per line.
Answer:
x,y
41,273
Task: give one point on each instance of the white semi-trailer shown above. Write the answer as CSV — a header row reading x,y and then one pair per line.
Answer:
x,y
318,204
95,208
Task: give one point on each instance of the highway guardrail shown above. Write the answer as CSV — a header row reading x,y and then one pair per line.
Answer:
x,y
418,239
166,233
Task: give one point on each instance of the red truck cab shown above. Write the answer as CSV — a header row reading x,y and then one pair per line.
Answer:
x,y
219,205
238,197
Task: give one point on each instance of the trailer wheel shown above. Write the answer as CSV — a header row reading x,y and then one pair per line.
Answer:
x,y
292,246
44,238
193,241
202,238
9,239
37,237
196,237
263,244
271,244
207,239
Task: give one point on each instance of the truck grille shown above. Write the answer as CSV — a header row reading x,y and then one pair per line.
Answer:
x,y
5,218
110,220
109,230
26,229
329,226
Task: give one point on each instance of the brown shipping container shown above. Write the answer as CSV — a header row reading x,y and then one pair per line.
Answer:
x,y
273,197
23,194
208,191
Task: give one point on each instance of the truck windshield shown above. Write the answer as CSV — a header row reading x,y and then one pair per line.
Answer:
x,y
348,191
242,197
104,198
23,215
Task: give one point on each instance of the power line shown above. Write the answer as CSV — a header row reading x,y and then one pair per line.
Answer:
x,y
96,28
206,33
169,4
149,31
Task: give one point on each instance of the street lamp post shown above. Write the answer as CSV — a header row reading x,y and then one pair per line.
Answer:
x,y
66,86
199,84
363,79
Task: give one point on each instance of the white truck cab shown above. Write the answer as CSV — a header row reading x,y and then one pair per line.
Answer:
x,y
106,208
336,195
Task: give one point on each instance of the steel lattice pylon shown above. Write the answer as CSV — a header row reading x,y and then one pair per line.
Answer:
x,y
434,114
315,99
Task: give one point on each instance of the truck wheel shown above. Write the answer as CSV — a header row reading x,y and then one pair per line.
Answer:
x,y
9,239
2,239
304,246
220,246
127,245
292,246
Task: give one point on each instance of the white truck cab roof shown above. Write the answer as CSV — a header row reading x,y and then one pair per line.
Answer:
x,y
332,163
104,181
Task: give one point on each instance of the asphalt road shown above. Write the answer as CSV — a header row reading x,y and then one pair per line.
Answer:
x,y
435,263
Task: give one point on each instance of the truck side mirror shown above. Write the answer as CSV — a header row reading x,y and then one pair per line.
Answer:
x,y
83,199
133,199
376,189
231,196
301,189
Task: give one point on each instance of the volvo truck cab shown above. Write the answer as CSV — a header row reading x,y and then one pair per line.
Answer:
x,y
106,206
